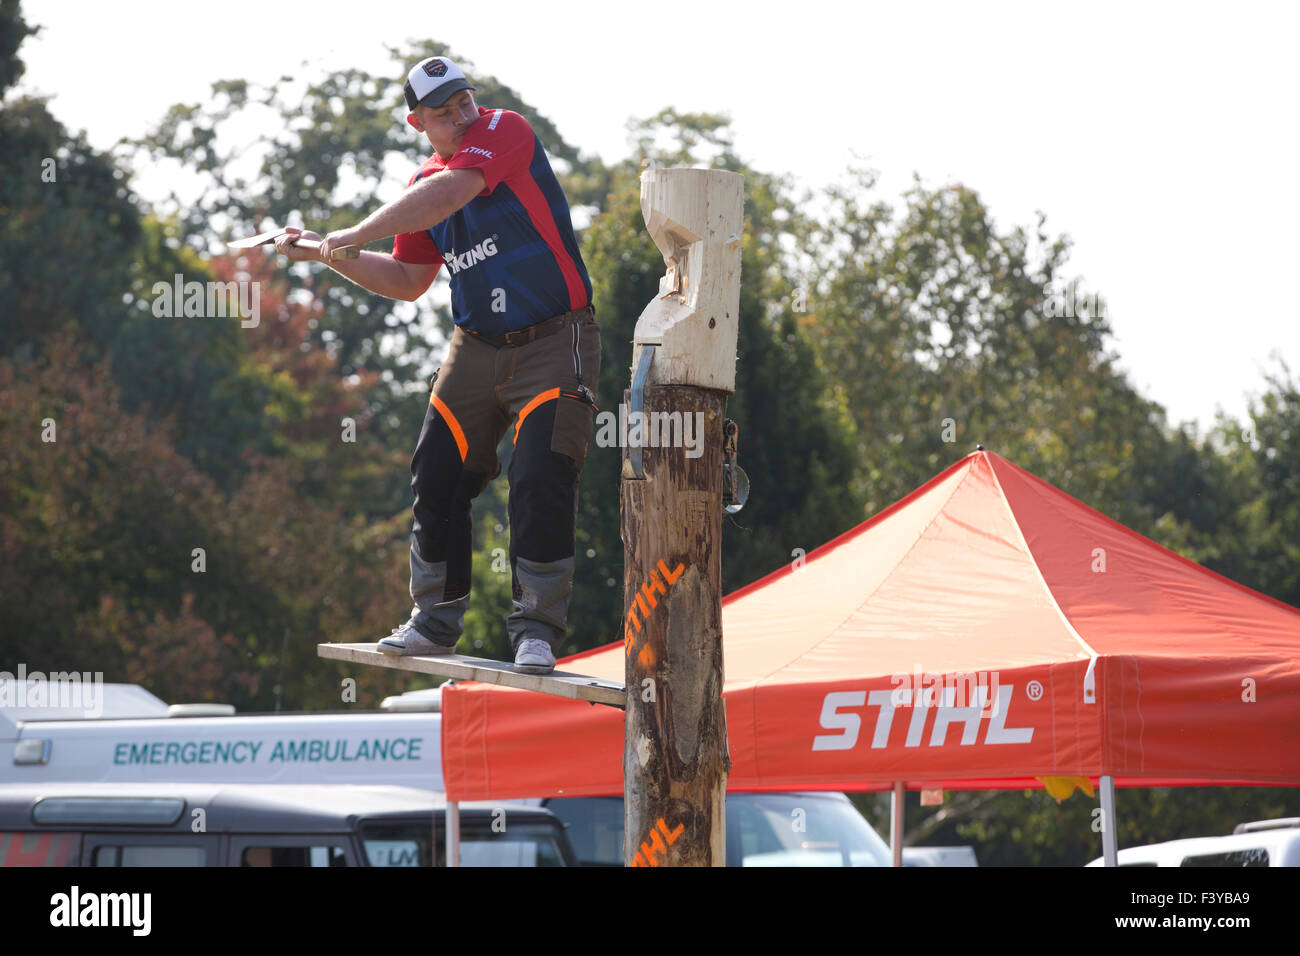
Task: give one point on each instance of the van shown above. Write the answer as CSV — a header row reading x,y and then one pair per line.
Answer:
x,y
133,737
264,825
1261,843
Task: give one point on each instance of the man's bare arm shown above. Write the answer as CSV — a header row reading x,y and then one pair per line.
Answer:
x,y
424,205
380,272
377,271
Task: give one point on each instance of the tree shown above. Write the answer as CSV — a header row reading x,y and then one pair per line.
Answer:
x,y
13,30
117,555
1253,492
67,231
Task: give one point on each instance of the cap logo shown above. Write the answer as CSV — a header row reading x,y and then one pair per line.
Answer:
x,y
435,68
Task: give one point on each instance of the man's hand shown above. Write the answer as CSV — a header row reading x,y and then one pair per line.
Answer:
x,y
285,246
377,271
339,239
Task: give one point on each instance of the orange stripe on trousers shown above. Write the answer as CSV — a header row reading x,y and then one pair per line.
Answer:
x,y
544,397
454,425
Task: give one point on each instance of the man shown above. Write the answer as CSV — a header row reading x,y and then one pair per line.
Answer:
x,y
525,351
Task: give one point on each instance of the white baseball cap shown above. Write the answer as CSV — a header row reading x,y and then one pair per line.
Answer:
x,y
432,82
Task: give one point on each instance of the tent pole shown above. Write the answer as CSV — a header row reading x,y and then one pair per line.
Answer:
x,y
896,823
1109,850
453,833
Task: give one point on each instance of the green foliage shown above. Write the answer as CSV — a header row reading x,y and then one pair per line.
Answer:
x,y
196,372
1252,493
67,232
13,30
98,569
1272,515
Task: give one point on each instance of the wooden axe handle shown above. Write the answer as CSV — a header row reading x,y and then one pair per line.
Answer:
x,y
342,252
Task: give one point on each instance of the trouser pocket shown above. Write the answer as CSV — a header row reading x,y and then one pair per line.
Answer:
x,y
571,433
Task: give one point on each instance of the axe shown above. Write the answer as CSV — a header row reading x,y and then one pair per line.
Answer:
x,y
343,252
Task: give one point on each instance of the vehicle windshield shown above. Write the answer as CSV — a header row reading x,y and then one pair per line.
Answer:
x,y
413,844
800,829
763,829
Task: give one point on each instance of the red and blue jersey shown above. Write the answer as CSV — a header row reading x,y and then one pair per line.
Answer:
x,y
511,253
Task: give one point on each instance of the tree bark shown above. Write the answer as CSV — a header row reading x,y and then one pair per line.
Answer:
x,y
675,760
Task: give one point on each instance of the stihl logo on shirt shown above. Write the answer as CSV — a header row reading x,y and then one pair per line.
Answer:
x,y
476,150
486,248
837,714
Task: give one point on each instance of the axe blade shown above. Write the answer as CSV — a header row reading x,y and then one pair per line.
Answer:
x,y
259,240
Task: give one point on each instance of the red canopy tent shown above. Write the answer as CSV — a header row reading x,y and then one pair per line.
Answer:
x,y
984,632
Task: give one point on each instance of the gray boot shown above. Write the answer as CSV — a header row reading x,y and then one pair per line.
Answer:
x,y
438,620
542,592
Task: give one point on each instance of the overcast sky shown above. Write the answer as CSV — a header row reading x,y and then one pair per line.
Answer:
x,y
1161,137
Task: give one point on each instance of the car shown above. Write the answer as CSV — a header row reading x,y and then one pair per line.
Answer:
x,y
939,856
763,829
330,825
1261,843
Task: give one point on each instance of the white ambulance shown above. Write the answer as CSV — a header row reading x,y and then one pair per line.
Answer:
x,y
131,736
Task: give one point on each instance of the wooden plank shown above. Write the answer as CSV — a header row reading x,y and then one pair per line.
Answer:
x,y
559,683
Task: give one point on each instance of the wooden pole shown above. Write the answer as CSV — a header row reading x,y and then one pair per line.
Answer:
x,y
684,358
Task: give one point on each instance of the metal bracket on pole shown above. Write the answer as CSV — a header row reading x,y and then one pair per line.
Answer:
x,y
637,402
735,483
